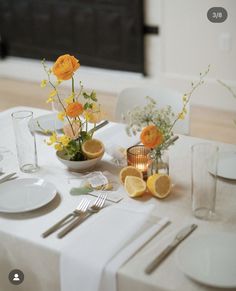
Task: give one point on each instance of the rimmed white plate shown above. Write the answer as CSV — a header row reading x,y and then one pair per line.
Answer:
x,y
46,122
209,259
24,195
226,165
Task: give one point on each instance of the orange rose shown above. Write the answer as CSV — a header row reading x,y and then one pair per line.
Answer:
x,y
68,130
65,66
151,136
74,109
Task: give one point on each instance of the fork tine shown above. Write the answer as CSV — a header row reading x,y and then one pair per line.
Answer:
x,y
81,204
102,200
86,204
97,201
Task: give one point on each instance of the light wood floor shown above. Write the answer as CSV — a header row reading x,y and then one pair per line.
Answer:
x,y
205,122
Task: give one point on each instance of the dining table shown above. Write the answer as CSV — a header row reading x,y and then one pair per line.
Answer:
x,y
41,259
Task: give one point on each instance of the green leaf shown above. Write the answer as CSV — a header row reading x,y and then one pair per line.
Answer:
x,y
93,96
86,96
80,190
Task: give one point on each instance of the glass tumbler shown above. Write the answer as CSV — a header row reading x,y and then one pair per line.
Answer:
x,y
25,141
204,161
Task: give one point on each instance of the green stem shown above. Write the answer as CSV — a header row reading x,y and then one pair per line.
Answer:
x,y
86,125
189,94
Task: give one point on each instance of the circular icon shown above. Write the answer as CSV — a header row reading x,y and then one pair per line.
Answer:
x,y
217,14
16,277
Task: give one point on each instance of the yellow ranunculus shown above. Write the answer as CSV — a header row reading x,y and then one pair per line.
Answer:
x,y
65,66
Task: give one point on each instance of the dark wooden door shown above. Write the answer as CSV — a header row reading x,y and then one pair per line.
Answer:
x,y
101,33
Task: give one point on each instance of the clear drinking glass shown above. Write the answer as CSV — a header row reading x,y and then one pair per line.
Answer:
x,y
25,141
204,172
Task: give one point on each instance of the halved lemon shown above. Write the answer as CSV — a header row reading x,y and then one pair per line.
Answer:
x,y
129,171
159,185
93,148
135,186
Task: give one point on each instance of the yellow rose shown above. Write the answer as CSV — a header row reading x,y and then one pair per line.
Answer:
x,y
65,66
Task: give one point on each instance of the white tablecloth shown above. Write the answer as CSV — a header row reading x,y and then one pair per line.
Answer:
x,y
21,246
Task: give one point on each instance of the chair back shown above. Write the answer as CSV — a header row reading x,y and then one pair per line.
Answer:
x,y
131,97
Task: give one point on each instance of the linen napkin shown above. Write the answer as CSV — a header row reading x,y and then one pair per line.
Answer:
x,y
96,241
108,281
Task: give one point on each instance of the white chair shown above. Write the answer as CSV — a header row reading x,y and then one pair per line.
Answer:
x,y
131,97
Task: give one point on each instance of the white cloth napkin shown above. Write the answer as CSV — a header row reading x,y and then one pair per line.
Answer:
x,y
99,239
108,282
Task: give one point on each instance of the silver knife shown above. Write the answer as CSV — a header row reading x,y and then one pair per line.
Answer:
x,y
181,235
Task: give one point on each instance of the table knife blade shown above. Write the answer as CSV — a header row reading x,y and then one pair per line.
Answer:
x,y
181,235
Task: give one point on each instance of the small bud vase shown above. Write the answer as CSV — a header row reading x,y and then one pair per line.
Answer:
x,y
159,165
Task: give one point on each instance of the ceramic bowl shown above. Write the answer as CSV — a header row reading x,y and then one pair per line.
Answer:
x,y
78,166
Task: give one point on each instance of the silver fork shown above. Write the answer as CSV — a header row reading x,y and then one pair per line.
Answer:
x,y
97,206
80,210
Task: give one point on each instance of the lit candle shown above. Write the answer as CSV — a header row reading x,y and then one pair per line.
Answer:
x,y
138,157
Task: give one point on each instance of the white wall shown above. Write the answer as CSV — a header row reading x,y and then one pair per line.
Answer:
x,y
187,43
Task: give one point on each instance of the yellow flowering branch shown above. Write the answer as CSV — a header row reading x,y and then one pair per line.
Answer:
x,y
187,96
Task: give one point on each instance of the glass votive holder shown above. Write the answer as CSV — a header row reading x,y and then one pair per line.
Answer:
x,y
138,157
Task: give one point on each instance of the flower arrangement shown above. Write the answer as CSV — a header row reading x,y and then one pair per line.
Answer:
x,y
156,124
77,109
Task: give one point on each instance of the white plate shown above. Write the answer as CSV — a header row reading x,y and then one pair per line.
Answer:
x,y
209,259
47,122
226,165
23,195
